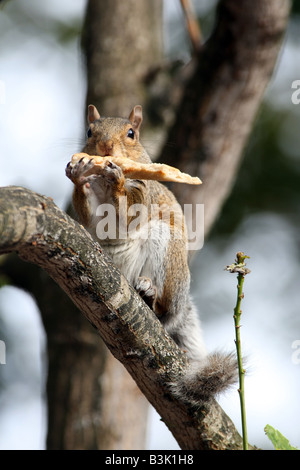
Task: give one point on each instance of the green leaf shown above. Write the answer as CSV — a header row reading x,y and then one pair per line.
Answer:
x,y
278,440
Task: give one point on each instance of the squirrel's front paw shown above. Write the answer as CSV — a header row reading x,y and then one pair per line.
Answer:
x,y
77,172
110,171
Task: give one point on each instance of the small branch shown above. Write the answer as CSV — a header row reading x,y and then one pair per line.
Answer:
x,y
239,267
193,27
39,232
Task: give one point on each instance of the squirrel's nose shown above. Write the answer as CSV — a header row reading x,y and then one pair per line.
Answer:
x,y
106,148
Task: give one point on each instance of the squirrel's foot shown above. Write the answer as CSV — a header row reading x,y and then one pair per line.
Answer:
x,y
147,291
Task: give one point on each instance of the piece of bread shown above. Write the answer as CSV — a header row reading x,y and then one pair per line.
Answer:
x,y
142,171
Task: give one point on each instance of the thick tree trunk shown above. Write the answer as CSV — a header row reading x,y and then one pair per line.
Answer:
x,y
121,43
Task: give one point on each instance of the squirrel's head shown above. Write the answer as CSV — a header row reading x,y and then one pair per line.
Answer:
x,y
114,136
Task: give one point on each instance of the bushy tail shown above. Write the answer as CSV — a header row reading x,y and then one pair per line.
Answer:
x,y
207,379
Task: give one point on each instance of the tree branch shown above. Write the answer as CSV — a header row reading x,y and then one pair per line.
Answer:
x,y
221,98
192,24
39,232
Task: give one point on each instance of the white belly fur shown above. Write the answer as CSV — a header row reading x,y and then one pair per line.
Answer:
x,y
140,256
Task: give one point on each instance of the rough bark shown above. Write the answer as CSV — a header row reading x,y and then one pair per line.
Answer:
x,y
40,233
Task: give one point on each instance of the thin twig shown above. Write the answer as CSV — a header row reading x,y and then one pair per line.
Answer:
x,y
193,27
239,267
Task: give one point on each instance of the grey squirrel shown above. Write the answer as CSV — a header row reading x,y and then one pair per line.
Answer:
x,y
153,258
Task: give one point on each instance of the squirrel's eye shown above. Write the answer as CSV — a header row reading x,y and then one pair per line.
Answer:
x,y
130,133
89,132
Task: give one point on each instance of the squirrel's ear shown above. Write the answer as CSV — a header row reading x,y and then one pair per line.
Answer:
x,y
136,117
92,113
